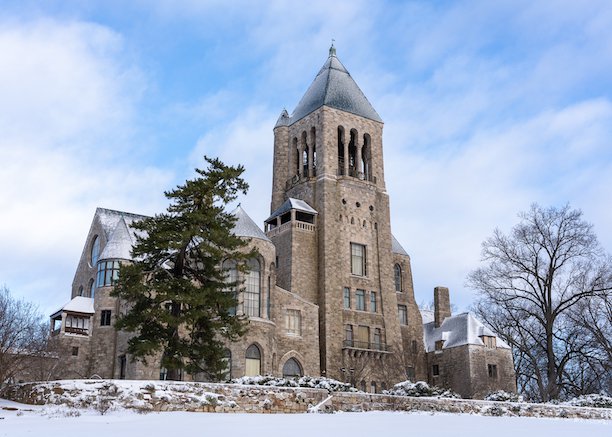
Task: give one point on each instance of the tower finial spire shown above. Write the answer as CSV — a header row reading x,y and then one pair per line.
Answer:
x,y
332,49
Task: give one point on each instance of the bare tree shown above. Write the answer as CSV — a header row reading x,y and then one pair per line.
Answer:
x,y
533,279
20,339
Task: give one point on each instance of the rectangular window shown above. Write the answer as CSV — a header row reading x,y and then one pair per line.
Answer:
x,y
377,339
105,318
492,370
373,306
402,312
293,322
348,335
410,373
122,366
358,259
414,346
435,370
252,293
363,337
108,273
75,351
347,297
76,325
439,345
360,304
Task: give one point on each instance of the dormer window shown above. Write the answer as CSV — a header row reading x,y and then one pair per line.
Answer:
x,y
489,341
108,273
439,345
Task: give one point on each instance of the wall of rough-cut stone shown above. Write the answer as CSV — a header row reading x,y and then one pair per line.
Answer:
x,y
231,398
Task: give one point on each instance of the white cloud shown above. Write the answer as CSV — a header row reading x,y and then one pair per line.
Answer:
x,y
67,117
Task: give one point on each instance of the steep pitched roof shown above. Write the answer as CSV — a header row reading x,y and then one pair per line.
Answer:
x,y
245,226
78,304
396,247
109,218
334,87
289,204
458,330
119,245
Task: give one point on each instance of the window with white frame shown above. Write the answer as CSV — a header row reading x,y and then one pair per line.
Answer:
x,y
358,259
293,322
76,324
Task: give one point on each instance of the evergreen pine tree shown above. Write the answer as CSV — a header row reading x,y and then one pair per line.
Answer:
x,y
177,299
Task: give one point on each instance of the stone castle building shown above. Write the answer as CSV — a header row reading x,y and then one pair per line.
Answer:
x,y
330,292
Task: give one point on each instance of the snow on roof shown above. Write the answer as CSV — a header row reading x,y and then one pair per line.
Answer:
x,y
396,247
78,304
334,87
119,245
245,226
458,330
427,315
292,203
109,218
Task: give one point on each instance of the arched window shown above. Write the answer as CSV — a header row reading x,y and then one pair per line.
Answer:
x,y
95,251
231,279
366,157
313,141
296,154
92,288
252,292
292,369
80,293
340,150
352,150
397,270
253,361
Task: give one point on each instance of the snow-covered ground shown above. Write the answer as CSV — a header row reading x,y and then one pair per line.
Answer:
x,y
30,420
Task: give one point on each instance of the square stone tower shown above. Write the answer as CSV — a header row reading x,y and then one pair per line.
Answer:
x,y
328,155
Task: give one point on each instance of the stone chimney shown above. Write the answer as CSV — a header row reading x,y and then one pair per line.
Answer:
x,y
441,305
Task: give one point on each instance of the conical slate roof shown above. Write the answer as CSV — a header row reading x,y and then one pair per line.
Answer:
x,y
334,87
245,226
119,244
396,247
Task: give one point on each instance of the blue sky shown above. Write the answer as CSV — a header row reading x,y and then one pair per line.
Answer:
x,y
488,107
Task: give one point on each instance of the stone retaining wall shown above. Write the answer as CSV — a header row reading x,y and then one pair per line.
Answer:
x,y
232,398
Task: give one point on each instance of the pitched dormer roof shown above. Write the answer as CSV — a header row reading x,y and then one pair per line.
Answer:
x,y
334,87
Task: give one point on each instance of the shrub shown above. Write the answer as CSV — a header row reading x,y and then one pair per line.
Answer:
x,y
420,389
503,396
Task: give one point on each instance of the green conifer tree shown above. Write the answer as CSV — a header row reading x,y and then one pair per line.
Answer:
x,y
177,299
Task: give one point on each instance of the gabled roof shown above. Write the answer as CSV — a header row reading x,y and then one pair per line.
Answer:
x,y
334,87
78,304
119,245
458,330
396,247
245,226
289,204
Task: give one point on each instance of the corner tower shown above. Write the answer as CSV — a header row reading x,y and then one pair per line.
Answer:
x,y
329,154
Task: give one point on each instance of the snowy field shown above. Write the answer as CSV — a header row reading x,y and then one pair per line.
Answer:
x,y
53,420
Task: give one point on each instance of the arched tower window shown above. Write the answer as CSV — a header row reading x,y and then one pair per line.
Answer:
x,y
292,369
313,144
305,152
341,151
352,151
366,157
252,292
227,358
295,156
253,361
231,279
92,288
397,271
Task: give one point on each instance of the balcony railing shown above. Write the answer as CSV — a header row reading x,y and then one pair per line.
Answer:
x,y
79,331
366,345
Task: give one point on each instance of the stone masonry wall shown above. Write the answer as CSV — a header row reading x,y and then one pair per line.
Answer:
x,y
232,398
